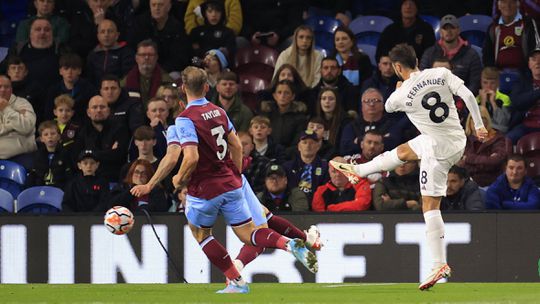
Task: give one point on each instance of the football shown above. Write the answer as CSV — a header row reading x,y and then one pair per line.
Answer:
x,y
119,220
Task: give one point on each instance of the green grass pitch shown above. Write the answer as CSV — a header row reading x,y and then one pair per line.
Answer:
x,y
273,293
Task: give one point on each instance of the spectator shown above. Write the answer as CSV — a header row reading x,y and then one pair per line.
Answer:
x,y
371,145
510,38
63,113
175,103
144,142
44,9
464,59
338,9
372,117
52,164
17,125
87,191
384,79
525,98
214,64
166,31
108,140
271,22
355,65
40,54
213,34
22,87
409,29
303,56
157,113
145,77
232,15
254,164
277,195
462,193
287,116
484,160
497,103
331,77
260,129
400,190
335,119
513,189
318,126
287,72
85,19
110,56
229,99
72,84
140,172
340,195
307,170
462,110
126,110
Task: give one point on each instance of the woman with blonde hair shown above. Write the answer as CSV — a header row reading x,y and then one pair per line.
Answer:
x,y
303,56
171,95
484,160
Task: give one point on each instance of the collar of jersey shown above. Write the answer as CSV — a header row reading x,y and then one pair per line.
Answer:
x,y
197,102
517,18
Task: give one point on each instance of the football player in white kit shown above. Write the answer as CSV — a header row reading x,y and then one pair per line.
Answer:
x,y
426,98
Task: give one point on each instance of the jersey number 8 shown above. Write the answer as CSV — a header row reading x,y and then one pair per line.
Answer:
x,y
437,111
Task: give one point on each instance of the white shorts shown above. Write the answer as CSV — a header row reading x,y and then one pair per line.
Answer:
x,y
433,170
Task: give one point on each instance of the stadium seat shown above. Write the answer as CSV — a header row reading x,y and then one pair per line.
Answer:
x,y
324,52
12,177
369,50
323,27
435,23
250,85
533,171
507,80
259,60
3,53
6,201
40,199
529,145
474,28
11,13
368,29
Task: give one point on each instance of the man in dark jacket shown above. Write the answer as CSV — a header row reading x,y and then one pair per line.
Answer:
x,y
107,139
465,61
110,56
462,193
277,196
384,79
229,99
126,110
410,29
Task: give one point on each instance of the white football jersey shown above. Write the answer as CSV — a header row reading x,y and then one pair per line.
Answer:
x,y
427,99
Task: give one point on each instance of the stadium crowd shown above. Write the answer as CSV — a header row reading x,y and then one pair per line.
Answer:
x,y
88,89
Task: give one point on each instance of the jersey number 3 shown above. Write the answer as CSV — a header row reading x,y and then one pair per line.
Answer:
x,y
220,141
438,111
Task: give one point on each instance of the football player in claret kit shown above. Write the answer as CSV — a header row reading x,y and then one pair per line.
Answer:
x,y
426,98
211,170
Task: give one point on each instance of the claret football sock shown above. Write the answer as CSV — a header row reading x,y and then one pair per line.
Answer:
x,y
266,237
248,253
218,255
286,228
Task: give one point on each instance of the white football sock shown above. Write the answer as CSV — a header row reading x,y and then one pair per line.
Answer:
x,y
384,162
435,236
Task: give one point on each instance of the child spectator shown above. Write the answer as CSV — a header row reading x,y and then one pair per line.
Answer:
x,y
260,129
317,125
29,90
254,166
63,111
144,141
79,89
493,100
52,164
303,56
213,34
86,191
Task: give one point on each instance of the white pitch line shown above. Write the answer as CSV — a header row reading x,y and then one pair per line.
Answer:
x,y
359,284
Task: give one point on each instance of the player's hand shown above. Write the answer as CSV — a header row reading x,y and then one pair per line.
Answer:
x,y
140,190
481,134
398,84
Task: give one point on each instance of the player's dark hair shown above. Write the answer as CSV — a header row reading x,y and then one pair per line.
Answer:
x,y
404,54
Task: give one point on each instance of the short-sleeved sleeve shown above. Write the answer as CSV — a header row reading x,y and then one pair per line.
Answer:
x,y
172,137
185,132
231,126
392,103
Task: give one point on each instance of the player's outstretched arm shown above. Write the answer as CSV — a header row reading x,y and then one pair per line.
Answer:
x,y
189,164
472,105
165,167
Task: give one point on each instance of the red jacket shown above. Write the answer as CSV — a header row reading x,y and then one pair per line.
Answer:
x,y
352,198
